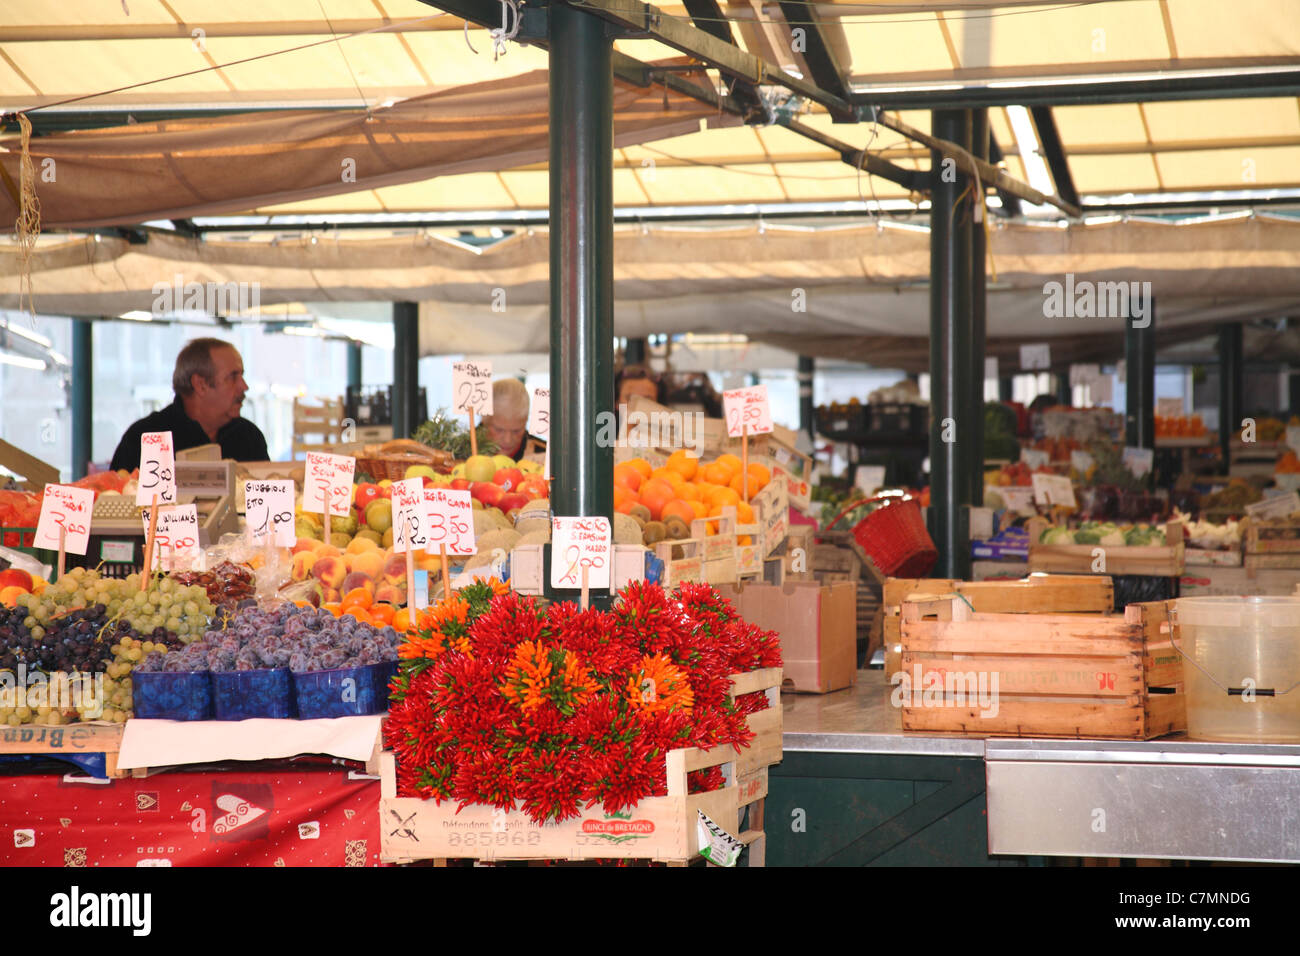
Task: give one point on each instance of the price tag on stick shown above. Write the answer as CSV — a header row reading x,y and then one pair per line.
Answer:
x,y
471,387
177,534
1138,460
539,414
578,544
157,469
410,516
268,513
69,508
328,475
450,516
747,411
1054,491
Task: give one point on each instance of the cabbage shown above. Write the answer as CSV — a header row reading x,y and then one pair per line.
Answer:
x,y
1113,539
1137,537
1056,535
1083,536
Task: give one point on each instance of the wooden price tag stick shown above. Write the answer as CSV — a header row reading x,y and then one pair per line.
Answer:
x,y
744,462
473,435
586,596
410,575
63,537
148,545
446,570
326,493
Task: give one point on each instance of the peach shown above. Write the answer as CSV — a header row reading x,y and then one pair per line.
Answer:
x,y
302,565
330,596
357,580
369,563
358,545
329,570
307,544
390,594
395,568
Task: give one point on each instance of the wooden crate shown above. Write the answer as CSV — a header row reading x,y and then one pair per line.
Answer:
x,y
1166,560
1114,677
1206,558
765,750
658,828
75,738
1277,536
1276,561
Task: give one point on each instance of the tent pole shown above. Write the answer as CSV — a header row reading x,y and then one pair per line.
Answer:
x,y
1140,383
1230,382
406,367
582,263
952,448
83,401
807,366
978,295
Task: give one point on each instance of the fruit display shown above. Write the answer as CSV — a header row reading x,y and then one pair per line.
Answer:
x,y
1016,475
664,501
1209,536
1000,425
226,585
336,572
1181,426
1057,449
1287,464
447,433
1233,498
1271,429
301,639
1106,534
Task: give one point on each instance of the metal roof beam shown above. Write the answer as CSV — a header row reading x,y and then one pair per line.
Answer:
x,y
1049,138
910,179
817,52
708,16
1010,203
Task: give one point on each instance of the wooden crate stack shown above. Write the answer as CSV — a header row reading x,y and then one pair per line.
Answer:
x,y
981,674
1165,560
1271,544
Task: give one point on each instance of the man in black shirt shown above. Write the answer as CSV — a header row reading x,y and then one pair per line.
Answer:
x,y
210,387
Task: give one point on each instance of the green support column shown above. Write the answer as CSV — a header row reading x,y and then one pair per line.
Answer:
x,y
354,364
83,398
582,265
952,443
406,367
1230,410
1140,384
635,353
807,365
978,299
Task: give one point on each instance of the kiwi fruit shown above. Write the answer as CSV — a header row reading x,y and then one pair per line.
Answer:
x,y
641,512
654,532
676,528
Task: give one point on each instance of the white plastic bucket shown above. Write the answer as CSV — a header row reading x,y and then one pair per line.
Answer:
x,y
1241,667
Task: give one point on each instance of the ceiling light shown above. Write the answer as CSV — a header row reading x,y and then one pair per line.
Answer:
x,y
1035,165
136,316
33,337
21,361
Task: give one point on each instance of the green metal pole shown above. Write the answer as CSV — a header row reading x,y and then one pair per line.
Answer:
x,y
1140,384
406,367
83,398
354,364
1230,389
978,298
582,265
951,433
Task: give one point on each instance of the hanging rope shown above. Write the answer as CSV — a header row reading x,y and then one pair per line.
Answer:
x,y
28,225
508,29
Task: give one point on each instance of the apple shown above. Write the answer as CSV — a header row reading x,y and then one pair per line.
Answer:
x,y
503,461
366,492
486,492
16,578
460,484
534,488
512,501
480,468
508,478
419,471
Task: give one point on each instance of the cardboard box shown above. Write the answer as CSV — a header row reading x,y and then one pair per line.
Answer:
x,y
818,625
35,473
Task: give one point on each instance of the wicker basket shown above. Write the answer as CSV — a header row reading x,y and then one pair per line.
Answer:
x,y
391,459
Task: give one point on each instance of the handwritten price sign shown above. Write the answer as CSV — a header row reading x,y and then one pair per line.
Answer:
x,y
69,508
747,410
579,543
157,469
268,512
539,414
451,521
471,387
177,535
332,473
410,516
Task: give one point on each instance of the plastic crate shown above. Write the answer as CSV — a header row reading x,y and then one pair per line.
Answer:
x,y
851,420
172,695
902,420
342,691
20,539
243,695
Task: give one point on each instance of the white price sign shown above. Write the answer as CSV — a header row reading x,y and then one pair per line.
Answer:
x,y
747,410
69,508
157,469
268,512
471,387
991,366
539,414
332,474
1035,357
450,516
1293,437
177,534
410,516
1138,460
1035,458
1018,498
1279,506
1169,407
578,544
1054,491
869,478
1081,461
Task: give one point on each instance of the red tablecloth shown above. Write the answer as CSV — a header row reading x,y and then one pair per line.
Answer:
x,y
222,818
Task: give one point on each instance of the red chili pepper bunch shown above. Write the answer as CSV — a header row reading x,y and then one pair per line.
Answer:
x,y
550,710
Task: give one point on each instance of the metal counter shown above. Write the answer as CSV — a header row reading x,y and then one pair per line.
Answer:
x,y
1165,799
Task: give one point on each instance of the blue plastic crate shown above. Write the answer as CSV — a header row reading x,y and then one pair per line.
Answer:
x,y
341,692
172,695
243,695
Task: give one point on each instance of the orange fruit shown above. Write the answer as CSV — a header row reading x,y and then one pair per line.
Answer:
x,y
626,505
754,486
358,612
688,491
724,496
760,473
641,465
717,473
357,597
627,476
401,620
684,464
621,494
382,613
679,508
9,595
743,540
332,607
655,494
701,509
744,513
731,461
